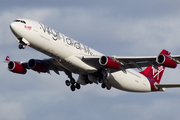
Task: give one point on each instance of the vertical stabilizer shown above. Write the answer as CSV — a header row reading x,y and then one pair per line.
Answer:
x,y
7,59
153,74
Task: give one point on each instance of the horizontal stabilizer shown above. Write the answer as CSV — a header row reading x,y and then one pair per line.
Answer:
x,y
167,85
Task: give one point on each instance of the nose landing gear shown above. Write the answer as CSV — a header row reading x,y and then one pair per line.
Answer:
x,y
22,43
22,46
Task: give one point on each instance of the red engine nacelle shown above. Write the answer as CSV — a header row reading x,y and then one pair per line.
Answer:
x,y
108,62
16,67
37,65
166,61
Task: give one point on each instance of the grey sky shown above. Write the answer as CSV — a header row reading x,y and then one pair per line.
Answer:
x,y
113,27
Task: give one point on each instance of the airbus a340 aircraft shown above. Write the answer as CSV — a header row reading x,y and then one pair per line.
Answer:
x,y
72,56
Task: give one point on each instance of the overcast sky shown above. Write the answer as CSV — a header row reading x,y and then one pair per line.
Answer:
x,y
116,27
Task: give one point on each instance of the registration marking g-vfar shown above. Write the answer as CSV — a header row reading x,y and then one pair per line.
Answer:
x,y
55,36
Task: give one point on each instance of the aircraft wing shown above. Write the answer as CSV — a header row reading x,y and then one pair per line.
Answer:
x,y
137,62
37,65
143,61
127,62
124,62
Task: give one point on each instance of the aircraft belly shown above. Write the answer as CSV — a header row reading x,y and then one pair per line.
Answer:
x,y
131,81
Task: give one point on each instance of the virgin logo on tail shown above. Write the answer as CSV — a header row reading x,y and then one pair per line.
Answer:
x,y
157,74
153,73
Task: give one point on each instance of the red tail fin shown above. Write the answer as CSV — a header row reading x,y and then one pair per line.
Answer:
x,y
7,59
153,74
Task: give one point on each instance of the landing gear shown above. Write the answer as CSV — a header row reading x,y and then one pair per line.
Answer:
x,y
73,87
68,83
22,43
72,83
103,85
104,80
22,46
101,76
78,86
107,86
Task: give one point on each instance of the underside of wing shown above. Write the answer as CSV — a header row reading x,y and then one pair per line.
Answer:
x,y
52,64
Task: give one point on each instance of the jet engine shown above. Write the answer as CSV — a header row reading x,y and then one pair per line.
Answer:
x,y
108,62
37,65
16,67
166,61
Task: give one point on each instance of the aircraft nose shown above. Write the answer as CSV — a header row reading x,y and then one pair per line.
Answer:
x,y
14,28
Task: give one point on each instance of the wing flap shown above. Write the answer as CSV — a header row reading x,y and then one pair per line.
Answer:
x,y
52,64
176,58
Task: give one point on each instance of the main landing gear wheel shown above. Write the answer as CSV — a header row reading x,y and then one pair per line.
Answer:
x,y
78,86
73,81
103,85
68,83
108,87
73,85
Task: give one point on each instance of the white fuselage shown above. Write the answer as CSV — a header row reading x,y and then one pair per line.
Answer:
x,y
64,50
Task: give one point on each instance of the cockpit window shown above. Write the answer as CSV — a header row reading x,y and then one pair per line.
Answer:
x,y
20,21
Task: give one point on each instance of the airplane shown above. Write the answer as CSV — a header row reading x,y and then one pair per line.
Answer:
x,y
73,57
